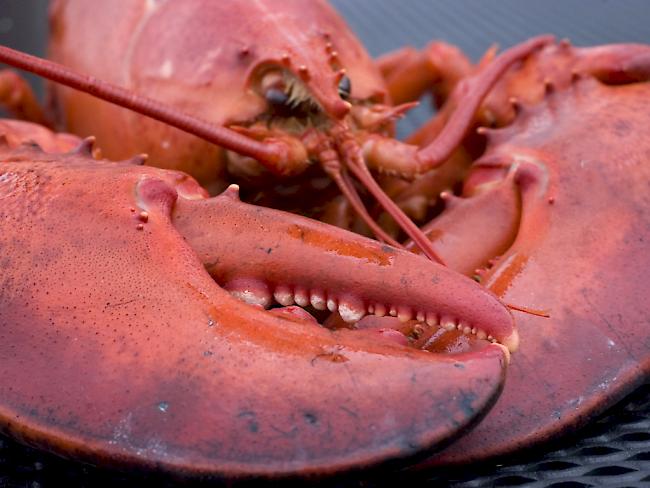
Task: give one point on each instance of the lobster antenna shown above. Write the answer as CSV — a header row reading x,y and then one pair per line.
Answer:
x,y
355,163
530,311
216,134
473,92
331,164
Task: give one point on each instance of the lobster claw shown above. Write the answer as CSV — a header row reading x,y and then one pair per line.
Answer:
x,y
580,251
119,348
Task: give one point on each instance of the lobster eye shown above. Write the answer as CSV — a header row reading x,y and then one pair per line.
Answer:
x,y
276,97
345,88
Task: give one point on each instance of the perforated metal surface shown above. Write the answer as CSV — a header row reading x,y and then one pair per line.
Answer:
x,y
614,450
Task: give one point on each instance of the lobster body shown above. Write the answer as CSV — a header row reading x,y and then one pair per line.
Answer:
x,y
288,76
203,57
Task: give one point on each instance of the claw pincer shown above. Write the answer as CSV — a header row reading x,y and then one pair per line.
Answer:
x,y
120,349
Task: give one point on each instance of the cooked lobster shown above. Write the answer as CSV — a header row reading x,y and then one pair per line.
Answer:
x,y
525,191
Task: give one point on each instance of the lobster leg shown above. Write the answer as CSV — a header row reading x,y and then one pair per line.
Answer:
x,y
17,97
333,167
410,73
393,157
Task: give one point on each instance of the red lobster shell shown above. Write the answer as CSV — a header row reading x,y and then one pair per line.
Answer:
x,y
563,220
119,348
580,152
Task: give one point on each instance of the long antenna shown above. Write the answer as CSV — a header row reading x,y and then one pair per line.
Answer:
x,y
216,134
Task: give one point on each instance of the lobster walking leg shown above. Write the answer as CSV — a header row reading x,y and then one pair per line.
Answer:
x,y
388,156
17,97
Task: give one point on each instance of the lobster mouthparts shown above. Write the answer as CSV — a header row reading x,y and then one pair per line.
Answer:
x,y
119,348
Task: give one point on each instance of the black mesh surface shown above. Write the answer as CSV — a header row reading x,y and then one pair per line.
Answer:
x,y
615,449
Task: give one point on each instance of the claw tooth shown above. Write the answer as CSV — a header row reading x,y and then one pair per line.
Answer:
x,y
86,146
253,292
283,295
464,327
371,309
420,317
380,310
480,334
317,300
404,314
351,312
232,192
301,297
392,311
251,298
432,319
474,330
448,324
332,305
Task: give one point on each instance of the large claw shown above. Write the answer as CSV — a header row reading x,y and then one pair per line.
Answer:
x,y
119,348
582,161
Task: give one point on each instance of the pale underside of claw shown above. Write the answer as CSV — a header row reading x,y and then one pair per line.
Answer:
x,y
581,159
